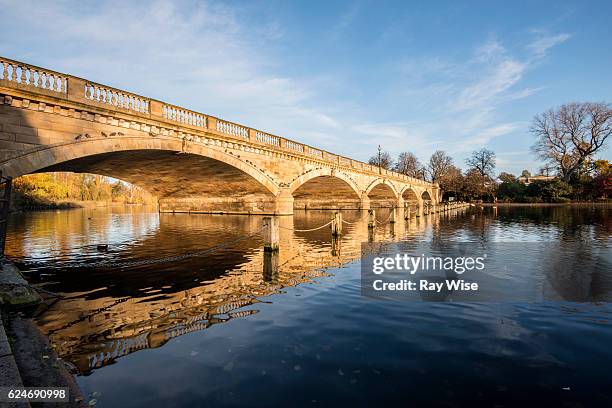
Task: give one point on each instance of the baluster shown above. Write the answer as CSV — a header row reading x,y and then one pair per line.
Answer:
x,y
4,70
47,81
13,73
22,75
35,76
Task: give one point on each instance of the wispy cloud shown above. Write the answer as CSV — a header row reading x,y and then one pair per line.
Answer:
x,y
544,42
206,56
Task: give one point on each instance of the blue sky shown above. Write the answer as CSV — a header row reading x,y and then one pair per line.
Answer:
x,y
344,76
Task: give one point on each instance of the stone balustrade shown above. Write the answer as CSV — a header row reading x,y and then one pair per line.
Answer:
x,y
314,152
232,129
184,116
28,77
266,138
298,147
116,98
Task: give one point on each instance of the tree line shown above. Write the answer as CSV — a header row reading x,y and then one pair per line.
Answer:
x,y
59,189
566,139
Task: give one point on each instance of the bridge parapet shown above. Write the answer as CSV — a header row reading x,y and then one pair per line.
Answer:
x,y
35,80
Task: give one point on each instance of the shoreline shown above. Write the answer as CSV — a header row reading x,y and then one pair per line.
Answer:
x,y
73,205
27,358
574,204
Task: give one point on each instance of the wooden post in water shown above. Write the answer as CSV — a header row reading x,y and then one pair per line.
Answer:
x,y
270,234
336,224
5,203
371,219
392,215
270,266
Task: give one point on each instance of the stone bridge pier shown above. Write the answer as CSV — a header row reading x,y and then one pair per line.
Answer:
x,y
192,162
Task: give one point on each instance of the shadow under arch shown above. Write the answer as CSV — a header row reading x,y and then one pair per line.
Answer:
x,y
325,189
382,194
202,176
411,199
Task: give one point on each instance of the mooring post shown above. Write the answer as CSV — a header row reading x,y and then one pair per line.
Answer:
x,y
336,245
371,219
270,266
336,224
407,213
5,203
392,215
270,234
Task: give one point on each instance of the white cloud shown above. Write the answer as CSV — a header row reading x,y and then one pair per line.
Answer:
x,y
541,45
205,56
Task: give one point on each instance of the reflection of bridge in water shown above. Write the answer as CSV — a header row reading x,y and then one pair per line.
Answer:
x,y
97,324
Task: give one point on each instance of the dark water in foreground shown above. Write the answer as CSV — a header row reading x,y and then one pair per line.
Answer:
x,y
215,330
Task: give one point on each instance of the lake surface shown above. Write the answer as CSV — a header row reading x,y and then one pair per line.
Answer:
x,y
232,327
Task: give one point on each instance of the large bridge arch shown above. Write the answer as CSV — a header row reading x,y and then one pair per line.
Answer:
x,y
192,177
54,155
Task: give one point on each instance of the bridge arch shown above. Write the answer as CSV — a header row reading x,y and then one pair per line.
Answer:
x,y
425,196
325,188
382,193
382,185
323,172
166,167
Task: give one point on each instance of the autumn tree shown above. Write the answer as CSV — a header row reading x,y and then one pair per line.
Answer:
x,y
570,135
483,161
603,178
477,185
507,177
451,181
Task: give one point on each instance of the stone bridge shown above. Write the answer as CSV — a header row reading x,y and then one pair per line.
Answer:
x,y
191,161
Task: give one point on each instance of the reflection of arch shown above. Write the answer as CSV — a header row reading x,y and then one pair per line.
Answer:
x,y
386,185
52,158
306,177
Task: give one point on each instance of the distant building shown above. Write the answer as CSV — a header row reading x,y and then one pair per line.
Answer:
x,y
526,180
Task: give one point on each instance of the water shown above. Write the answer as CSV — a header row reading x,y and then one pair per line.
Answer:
x,y
216,330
